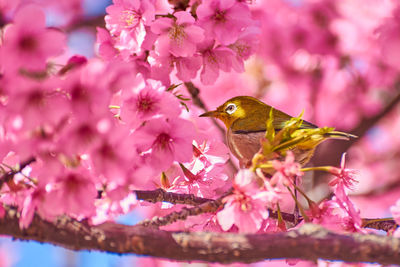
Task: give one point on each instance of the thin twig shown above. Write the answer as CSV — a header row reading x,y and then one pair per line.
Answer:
x,y
380,224
9,175
207,207
160,195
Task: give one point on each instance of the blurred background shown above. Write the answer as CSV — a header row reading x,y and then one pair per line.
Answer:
x,y
338,60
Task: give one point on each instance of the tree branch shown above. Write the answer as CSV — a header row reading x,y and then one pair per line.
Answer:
x,y
209,205
160,195
206,207
308,242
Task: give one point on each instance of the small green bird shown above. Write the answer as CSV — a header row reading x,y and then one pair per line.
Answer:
x,y
246,119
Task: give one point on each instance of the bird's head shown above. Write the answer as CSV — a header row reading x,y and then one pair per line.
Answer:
x,y
240,107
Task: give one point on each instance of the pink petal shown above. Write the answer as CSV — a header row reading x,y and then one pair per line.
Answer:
x,y
161,25
195,33
184,17
226,217
210,72
226,4
31,17
187,67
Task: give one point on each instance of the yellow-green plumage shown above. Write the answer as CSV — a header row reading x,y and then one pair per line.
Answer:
x,y
246,117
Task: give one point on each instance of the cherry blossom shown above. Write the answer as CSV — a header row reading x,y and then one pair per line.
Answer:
x,y
352,220
106,44
113,156
126,20
347,177
146,103
286,171
72,193
224,20
165,140
28,38
246,207
100,128
178,35
215,59
33,102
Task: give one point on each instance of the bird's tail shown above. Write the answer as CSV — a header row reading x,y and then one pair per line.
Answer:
x,y
340,135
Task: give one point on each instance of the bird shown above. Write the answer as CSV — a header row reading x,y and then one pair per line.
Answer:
x,y
246,117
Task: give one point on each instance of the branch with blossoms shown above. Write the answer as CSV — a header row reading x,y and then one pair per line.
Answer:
x,y
308,242
102,133
211,206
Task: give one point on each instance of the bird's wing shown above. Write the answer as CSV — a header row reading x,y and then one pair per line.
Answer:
x,y
280,119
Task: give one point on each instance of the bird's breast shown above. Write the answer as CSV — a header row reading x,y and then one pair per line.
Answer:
x,y
244,144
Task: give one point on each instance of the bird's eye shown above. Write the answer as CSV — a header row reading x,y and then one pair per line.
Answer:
x,y
230,108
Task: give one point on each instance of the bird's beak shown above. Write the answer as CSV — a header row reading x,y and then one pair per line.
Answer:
x,y
213,113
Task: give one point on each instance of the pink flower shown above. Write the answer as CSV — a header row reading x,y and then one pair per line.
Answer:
x,y
215,59
114,155
344,176
338,214
200,180
147,103
204,175
246,207
187,67
245,46
165,140
352,220
72,193
33,202
30,40
211,152
178,36
32,101
126,20
287,171
105,44
224,20
329,214
128,15
81,135
88,89
162,67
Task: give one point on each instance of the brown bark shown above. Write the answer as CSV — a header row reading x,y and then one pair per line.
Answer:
x,y
160,195
309,242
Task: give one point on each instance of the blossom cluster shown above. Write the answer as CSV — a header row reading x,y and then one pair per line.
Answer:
x,y
254,196
210,36
96,129
100,128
